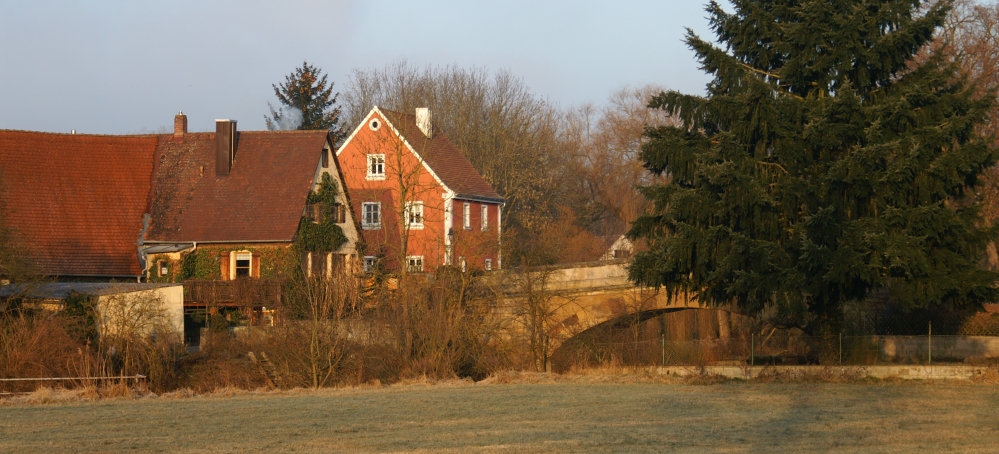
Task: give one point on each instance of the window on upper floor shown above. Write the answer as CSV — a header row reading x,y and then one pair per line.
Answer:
x,y
243,264
414,215
468,215
485,217
376,167
315,212
489,264
339,213
325,159
371,215
163,268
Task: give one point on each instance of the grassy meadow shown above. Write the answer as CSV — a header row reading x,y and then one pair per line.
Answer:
x,y
527,417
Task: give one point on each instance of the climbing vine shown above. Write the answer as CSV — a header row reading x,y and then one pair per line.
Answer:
x,y
275,262
325,236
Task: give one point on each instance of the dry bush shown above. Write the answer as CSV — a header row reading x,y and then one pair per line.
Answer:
x,y
222,364
34,346
441,329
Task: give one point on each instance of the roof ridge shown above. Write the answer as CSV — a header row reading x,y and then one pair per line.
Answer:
x,y
28,131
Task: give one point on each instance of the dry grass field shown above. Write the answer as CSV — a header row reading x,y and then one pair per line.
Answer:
x,y
553,416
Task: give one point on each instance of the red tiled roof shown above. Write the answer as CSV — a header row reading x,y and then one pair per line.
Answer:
x,y
261,199
444,158
77,200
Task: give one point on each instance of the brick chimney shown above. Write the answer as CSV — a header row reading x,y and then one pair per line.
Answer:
x,y
225,146
179,125
423,121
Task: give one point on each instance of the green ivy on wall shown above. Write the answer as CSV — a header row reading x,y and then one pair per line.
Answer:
x,y
326,236
202,263
275,261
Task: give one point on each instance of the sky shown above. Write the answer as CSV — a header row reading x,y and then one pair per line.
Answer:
x,y
124,67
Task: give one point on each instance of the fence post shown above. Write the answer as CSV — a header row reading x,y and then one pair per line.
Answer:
x,y
840,348
929,345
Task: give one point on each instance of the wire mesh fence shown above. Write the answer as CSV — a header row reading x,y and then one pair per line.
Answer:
x,y
784,349
868,334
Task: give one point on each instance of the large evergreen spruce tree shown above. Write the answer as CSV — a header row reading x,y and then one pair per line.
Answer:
x,y
822,164
307,97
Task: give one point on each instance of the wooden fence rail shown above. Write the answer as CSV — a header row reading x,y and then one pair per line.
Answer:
x,y
140,380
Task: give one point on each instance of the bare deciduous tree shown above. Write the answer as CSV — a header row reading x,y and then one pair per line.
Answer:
x,y
311,346
609,142
512,137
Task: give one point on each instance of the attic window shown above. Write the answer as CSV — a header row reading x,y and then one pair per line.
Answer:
x,y
375,124
315,212
163,268
376,167
326,159
339,213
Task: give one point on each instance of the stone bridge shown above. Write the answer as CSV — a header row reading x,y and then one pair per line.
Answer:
x,y
581,296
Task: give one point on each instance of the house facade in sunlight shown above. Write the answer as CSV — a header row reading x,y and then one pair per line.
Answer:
x,y
419,201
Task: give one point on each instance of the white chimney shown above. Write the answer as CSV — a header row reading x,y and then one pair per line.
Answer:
x,y
423,121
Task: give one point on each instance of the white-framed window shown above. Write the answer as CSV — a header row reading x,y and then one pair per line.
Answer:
x,y
370,262
414,215
485,217
371,215
489,264
376,167
375,124
243,264
468,215
464,266
163,268
414,263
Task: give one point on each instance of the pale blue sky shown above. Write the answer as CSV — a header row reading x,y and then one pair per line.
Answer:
x,y
116,67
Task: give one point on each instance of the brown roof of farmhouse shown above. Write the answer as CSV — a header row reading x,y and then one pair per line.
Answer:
x,y
260,200
450,165
76,201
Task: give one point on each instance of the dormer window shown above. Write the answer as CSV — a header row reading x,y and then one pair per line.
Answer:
x,y
163,268
376,167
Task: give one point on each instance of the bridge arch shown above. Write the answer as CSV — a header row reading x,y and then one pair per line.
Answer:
x,y
598,295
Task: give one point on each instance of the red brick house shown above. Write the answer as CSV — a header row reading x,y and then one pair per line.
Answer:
x,y
77,201
418,199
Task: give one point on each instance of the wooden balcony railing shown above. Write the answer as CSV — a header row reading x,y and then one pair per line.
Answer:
x,y
240,292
